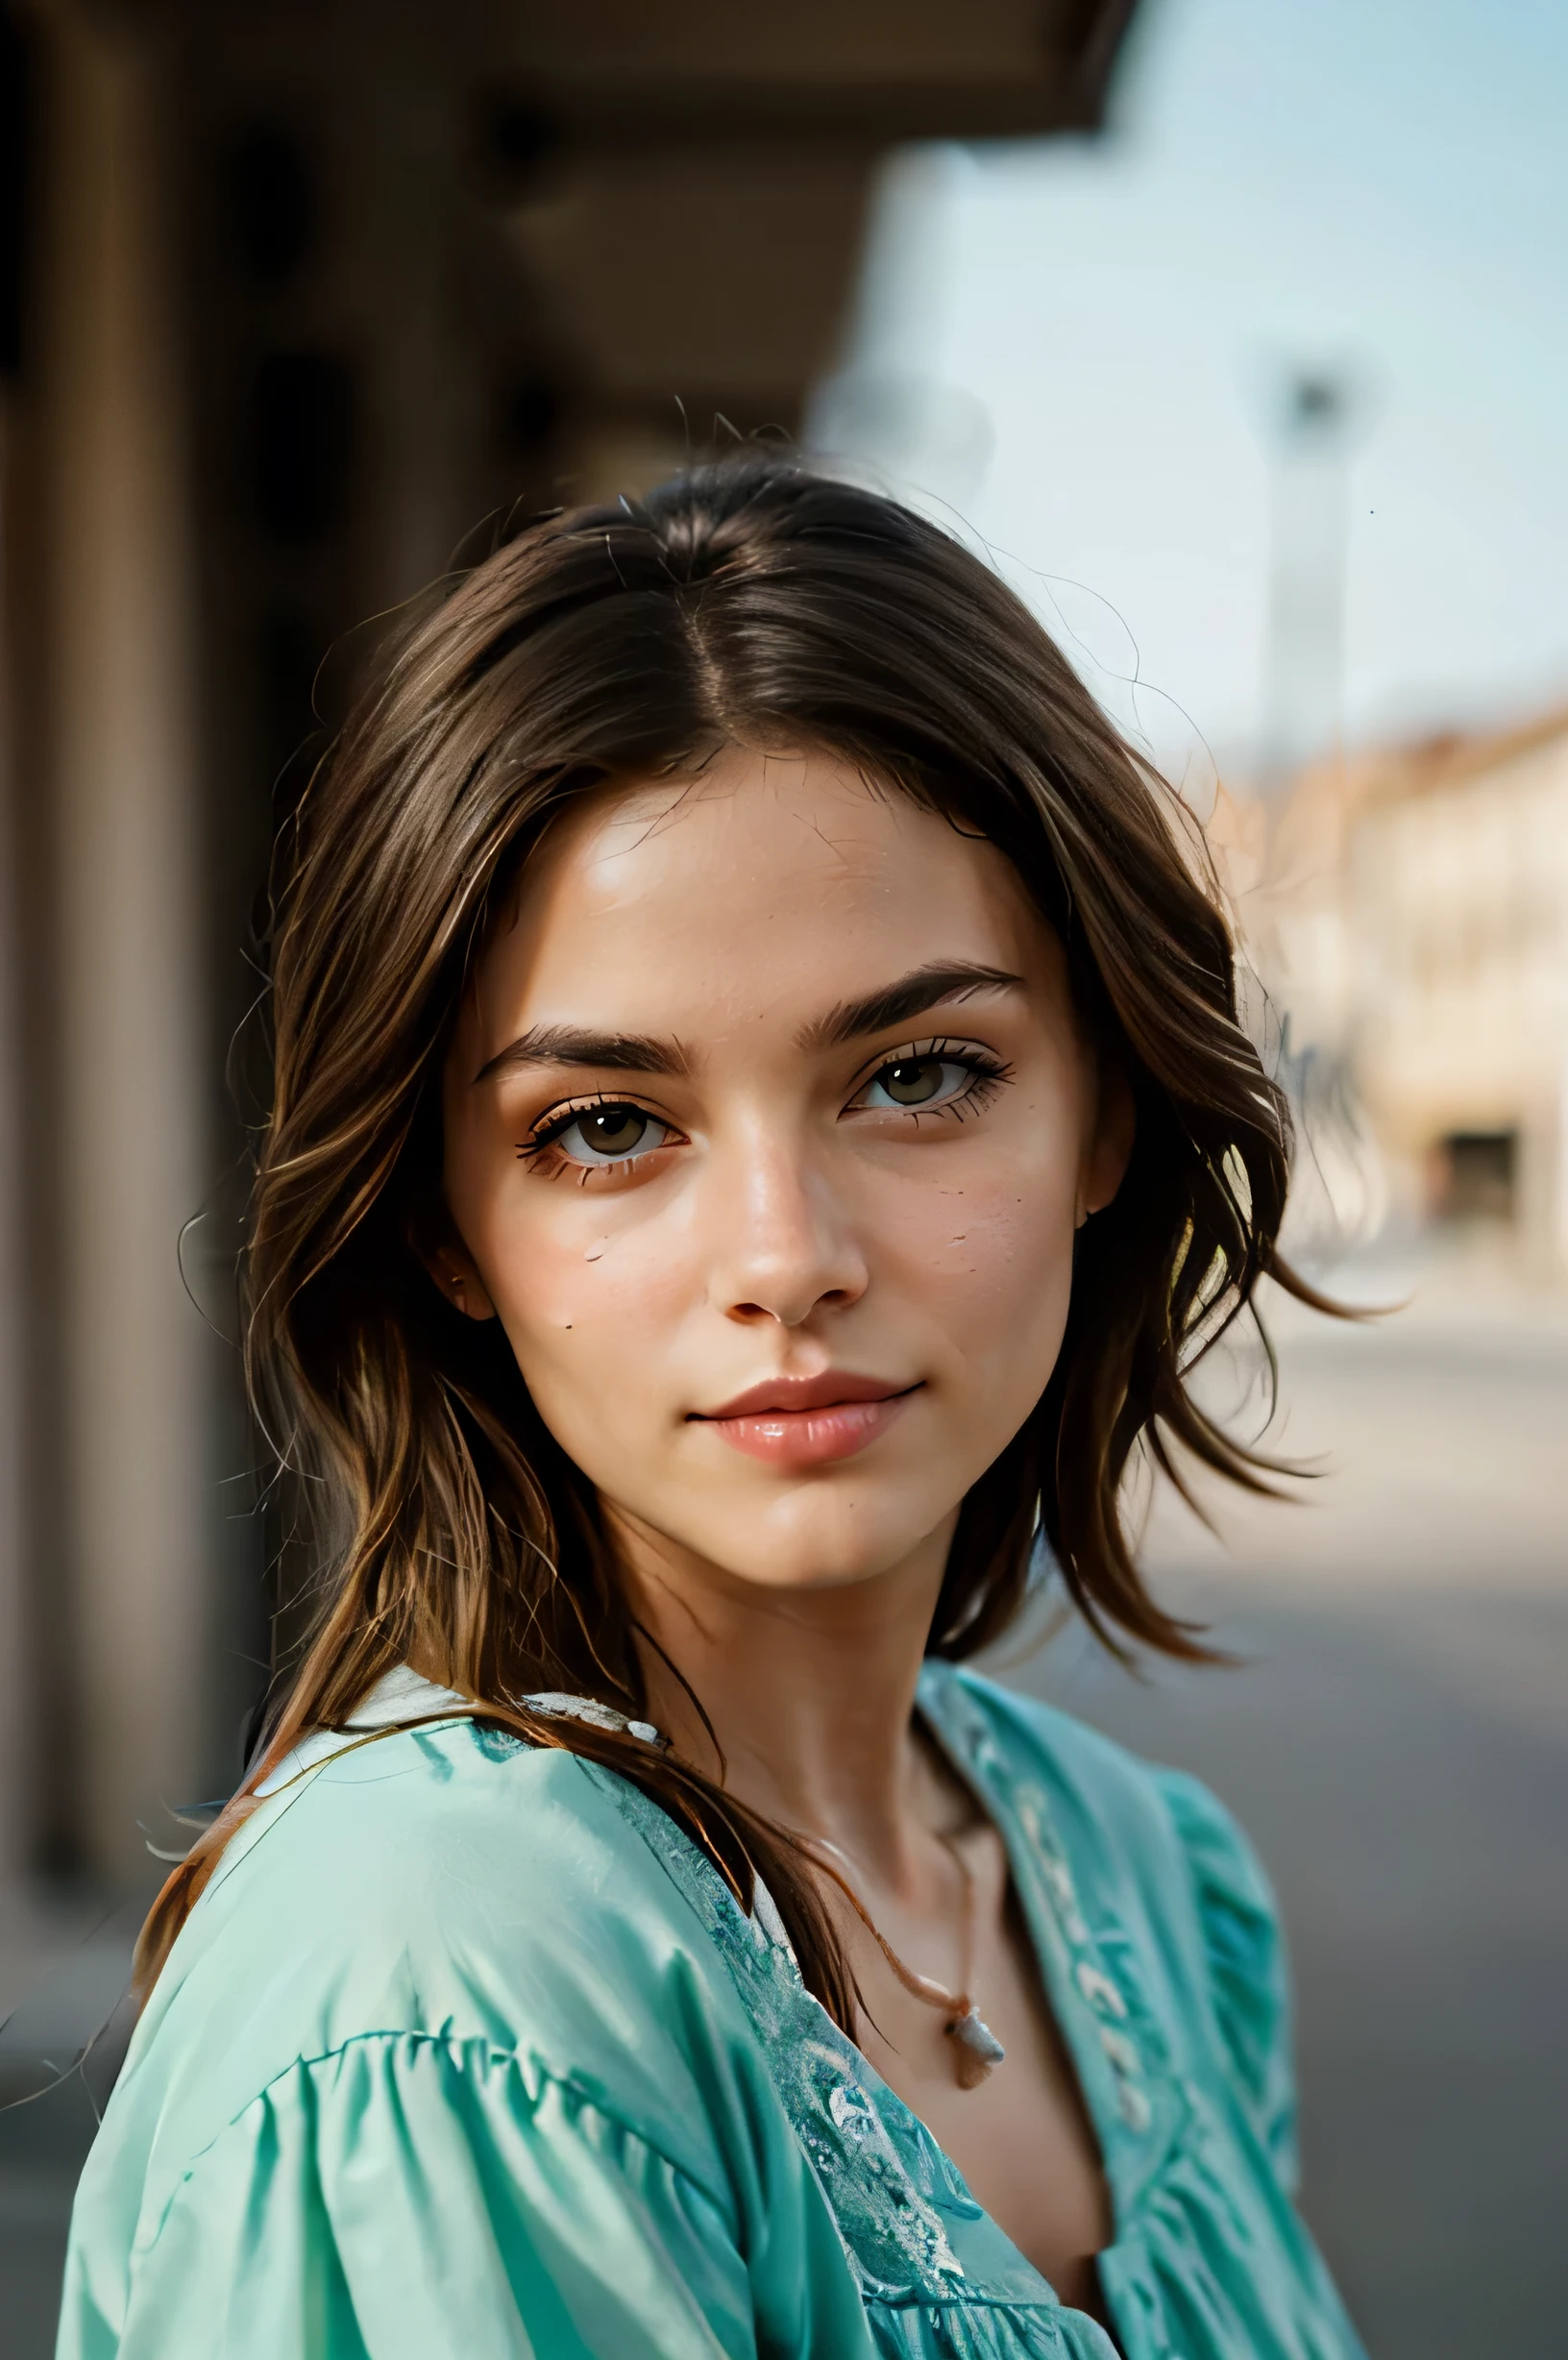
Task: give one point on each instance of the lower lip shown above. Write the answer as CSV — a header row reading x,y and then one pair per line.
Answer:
x,y
809,1437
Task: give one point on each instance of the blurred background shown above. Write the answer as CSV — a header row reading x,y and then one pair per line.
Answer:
x,y
1235,332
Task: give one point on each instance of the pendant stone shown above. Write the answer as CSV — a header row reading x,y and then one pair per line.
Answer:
x,y
977,2048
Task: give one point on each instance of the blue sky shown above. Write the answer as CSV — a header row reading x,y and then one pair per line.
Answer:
x,y
1096,325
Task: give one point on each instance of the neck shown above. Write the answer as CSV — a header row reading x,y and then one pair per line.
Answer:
x,y
810,1691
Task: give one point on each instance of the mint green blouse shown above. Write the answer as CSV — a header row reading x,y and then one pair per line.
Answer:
x,y
468,2052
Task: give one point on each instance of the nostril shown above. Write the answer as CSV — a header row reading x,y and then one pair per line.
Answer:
x,y
792,1315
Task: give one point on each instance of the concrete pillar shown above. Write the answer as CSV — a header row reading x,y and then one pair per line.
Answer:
x,y
18,1729
124,991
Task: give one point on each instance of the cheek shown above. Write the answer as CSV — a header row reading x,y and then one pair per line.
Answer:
x,y
588,1304
998,1251
989,1257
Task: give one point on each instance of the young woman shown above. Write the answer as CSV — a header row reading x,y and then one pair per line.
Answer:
x,y
761,1135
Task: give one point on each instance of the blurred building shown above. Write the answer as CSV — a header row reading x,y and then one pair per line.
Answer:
x,y
290,297
1413,921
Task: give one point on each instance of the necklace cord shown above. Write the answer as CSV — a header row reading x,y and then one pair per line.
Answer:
x,y
976,2048
954,2004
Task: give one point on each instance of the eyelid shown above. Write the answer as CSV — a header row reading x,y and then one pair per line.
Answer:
x,y
945,1045
543,1149
983,1061
564,1113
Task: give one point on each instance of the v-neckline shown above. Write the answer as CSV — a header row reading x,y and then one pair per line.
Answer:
x,y
853,2124
1049,1907
1090,2009
1134,2107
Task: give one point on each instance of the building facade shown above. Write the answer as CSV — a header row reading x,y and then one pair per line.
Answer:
x,y
1412,924
293,295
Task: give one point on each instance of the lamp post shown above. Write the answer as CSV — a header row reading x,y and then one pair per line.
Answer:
x,y
1311,431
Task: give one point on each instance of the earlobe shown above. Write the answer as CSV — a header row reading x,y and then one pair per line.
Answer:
x,y
459,1282
1105,1167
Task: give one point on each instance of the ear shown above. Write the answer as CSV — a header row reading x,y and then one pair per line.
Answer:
x,y
1110,1145
458,1281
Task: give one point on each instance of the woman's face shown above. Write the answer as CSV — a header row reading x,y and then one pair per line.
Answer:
x,y
768,1128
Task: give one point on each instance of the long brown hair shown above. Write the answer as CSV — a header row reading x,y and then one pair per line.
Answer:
x,y
752,602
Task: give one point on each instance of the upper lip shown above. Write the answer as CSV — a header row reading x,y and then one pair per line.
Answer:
x,y
823,1393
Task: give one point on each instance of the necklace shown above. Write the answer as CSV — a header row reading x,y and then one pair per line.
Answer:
x,y
976,2048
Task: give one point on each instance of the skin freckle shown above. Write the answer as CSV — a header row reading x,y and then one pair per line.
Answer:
x,y
790,1229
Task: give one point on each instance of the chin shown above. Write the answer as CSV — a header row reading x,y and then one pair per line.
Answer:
x,y
818,1544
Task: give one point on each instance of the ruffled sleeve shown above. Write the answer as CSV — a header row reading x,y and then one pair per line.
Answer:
x,y
1247,1969
412,2196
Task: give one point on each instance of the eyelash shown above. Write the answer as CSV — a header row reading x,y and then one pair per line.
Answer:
x,y
539,1149
988,1073
988,1076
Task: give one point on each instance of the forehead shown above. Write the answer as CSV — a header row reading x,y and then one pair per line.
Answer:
x,y
771,884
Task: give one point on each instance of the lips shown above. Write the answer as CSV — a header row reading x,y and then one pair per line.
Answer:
x,y
799,1422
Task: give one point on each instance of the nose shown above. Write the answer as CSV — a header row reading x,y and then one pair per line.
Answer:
x,y
781,1245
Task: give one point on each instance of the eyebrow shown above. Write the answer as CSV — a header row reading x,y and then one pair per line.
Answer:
x,y
924,987
570,1044
851,1020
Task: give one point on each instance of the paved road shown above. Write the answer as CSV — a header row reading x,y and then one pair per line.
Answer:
x,y
1397,1745
1418,1832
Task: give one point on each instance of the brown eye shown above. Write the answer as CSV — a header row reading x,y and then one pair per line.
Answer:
x,y
961,1079
913,1081
597,1137
594,1137
613,1130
